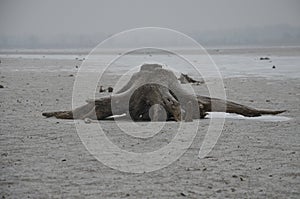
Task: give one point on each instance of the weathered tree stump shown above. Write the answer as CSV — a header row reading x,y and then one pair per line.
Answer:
x,y
155,94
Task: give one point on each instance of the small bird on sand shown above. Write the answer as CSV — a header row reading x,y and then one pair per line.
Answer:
x,y
110,89
101,89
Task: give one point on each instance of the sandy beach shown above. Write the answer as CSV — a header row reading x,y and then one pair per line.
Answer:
x,y
45,158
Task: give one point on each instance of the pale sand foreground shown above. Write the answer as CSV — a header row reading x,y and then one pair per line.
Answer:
x,y
44,158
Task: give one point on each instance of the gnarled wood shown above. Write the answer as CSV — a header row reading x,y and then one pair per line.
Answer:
x,y
153,93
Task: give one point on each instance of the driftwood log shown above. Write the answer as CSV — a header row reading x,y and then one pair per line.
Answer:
x,y
184,79
154,94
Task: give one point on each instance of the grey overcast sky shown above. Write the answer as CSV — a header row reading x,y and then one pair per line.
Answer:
x,y
46,18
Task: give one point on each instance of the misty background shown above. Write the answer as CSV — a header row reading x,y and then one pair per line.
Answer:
x,y
84,24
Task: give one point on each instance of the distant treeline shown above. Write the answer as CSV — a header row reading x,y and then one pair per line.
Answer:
x,y
270,35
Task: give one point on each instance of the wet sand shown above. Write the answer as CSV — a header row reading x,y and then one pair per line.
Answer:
x,y
44,158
